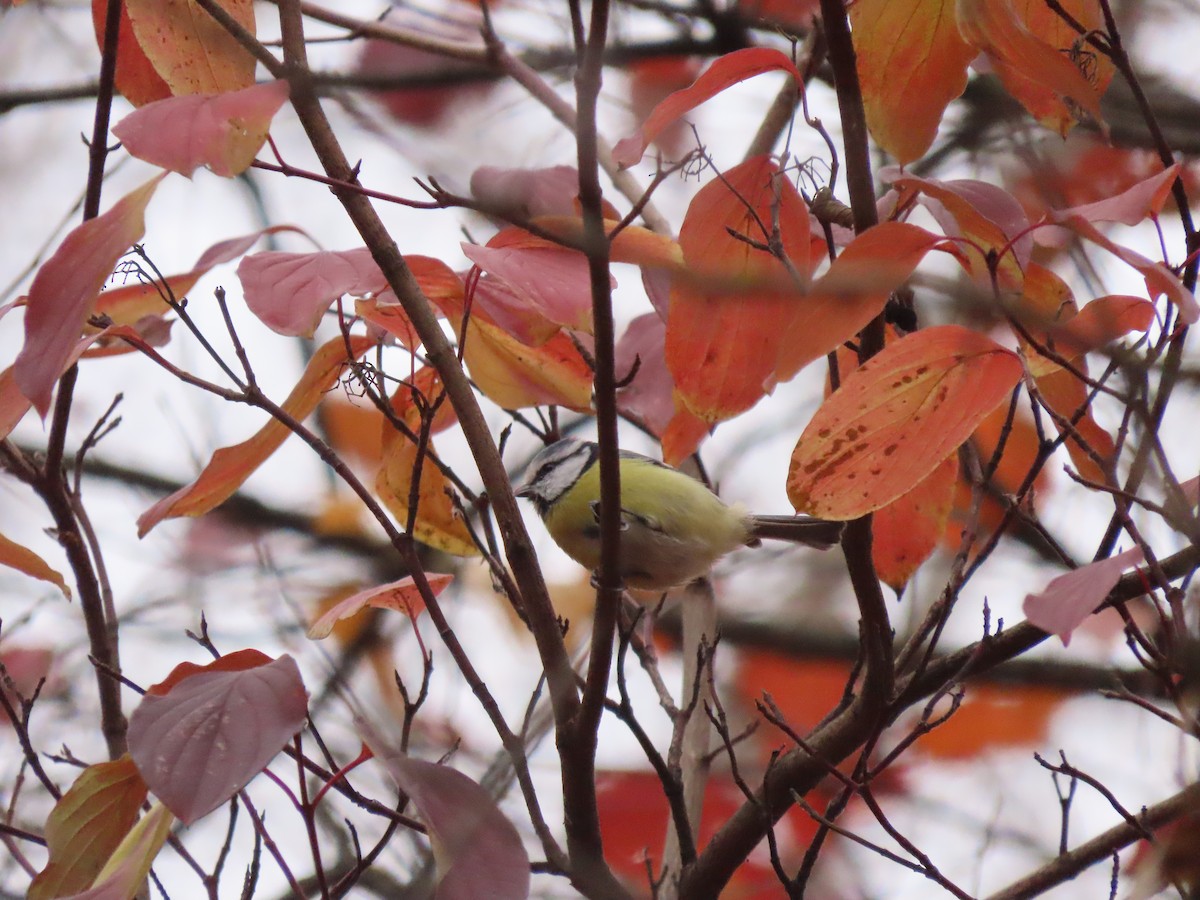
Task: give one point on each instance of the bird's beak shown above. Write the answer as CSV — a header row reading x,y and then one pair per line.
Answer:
x,y
524,490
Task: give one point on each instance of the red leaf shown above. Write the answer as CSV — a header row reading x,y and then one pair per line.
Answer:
x,y
422,107
401,595
725,72
231,466
1071,598
896,418
289,292
477,850
221,131
740,321
66,287
201,742
907,530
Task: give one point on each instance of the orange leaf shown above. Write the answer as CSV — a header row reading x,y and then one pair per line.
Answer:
x,y
725,72
189,49
1102,321
86,826
352,426
24,560
1056,325
231,466
1040,75
912,62
437,522
987,216
402,596
909,528
994,718
894,420
740,321
514,375
136,79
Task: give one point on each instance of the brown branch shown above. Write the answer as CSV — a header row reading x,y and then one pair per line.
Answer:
x,y
1066,866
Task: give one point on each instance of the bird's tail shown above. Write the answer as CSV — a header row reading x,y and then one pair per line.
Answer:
x,y
806,530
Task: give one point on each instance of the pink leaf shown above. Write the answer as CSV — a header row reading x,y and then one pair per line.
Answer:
x,y
1071,598
213,730
497,301
1159,279
1144,199
526,193
553,281
221,131
399,595
725,71
289,292
65,290
477,850
649,396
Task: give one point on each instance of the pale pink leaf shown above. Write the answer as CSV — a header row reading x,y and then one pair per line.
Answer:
x,y
477,850
289,292
1071,598
526,193
65,290
553,281
221,131
401,595
202,741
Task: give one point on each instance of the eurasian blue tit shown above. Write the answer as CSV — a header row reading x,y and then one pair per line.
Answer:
x,y
673,528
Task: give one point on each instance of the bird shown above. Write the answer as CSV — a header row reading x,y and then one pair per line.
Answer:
x,y
673,528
